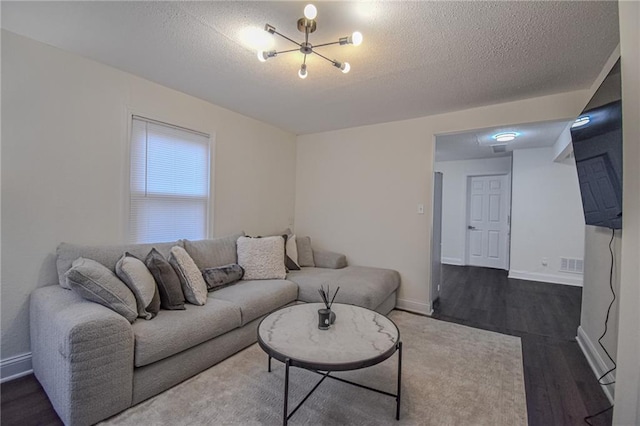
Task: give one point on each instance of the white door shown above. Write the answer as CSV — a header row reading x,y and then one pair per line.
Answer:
x,y
488,210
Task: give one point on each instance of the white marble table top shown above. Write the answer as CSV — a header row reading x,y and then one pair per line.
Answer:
x,y
357,335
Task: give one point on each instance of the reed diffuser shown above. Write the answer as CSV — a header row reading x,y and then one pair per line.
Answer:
x,y
326,316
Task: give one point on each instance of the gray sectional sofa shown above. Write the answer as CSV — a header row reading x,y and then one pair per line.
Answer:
x,y
93,363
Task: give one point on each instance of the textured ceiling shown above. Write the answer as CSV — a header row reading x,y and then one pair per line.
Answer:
x,y
417,58
477,144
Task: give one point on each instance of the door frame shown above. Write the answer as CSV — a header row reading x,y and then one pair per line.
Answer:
x,y
465,248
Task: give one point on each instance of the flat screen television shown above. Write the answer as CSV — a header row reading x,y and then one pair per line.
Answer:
x,y
597,145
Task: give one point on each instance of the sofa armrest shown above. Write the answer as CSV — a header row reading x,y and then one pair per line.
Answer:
x,y
329,259
82,354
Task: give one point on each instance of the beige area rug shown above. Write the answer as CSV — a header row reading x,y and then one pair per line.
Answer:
x,y
451,375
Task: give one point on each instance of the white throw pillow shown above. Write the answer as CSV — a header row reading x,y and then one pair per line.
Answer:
x,y
262,258
292,249
193,285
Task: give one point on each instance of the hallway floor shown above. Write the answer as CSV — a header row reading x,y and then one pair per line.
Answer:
x,y
560,386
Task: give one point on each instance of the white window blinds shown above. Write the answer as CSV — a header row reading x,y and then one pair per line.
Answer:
x,y
169,188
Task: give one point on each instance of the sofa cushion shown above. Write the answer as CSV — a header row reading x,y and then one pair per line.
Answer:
x,y
257,298
214,252
222,276
95,282
169,287
262,258
106,255
171,332
193,285
305,253
135,274
359,285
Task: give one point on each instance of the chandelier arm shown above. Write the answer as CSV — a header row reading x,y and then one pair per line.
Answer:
x,y
304,61
315,46
287,38
287,51
324,57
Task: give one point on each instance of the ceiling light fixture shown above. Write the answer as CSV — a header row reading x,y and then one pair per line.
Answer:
x,y
505,137
581,121
308,25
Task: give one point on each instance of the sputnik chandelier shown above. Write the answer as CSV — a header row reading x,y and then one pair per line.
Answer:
x,y
308,25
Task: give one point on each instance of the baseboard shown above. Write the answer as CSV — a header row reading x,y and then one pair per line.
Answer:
x,y
546,278
596,362
15,367
452,261
412,306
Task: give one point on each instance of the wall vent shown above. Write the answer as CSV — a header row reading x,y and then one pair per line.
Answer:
x,y
574,266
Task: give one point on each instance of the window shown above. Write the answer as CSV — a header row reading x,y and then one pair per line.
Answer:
x,y
169,183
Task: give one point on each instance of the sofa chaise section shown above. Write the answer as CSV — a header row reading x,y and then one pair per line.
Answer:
x,y
372,288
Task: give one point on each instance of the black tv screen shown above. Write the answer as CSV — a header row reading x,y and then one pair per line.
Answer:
x,y
597,145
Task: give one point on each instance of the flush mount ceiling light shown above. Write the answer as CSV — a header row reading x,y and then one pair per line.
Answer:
x,y
308,25
581,121
505,137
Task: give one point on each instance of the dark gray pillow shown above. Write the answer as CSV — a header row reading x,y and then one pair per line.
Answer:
x,y
289,264
169,287
135,274
94,282
222,276
305,253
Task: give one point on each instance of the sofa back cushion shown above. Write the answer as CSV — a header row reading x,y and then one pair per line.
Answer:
x,y
106,255
214,252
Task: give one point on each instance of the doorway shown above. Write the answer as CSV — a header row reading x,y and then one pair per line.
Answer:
x,y
488,221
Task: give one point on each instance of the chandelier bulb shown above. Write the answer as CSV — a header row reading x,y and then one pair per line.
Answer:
x,y
345,67
302,73
310,12
261,56
356,38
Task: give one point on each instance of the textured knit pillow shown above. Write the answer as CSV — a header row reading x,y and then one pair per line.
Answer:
x,y
261,258
305,253
96,283
135,274
193,285
222,276
169,287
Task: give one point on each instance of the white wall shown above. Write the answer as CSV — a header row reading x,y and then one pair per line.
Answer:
x,y
547,221
596,297
627,402
64,164
563,147
357,189
454,200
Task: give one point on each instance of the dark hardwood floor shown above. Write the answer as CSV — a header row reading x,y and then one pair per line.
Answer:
x,y
560,386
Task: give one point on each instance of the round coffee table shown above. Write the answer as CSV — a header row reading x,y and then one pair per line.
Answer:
x,y
359,338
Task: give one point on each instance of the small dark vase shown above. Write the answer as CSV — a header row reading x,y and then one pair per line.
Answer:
x,y
324,319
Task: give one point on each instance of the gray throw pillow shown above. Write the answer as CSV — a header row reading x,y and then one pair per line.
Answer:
x,y
169,287
135,274
305,253
222,276
289,264
193,285
94,282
